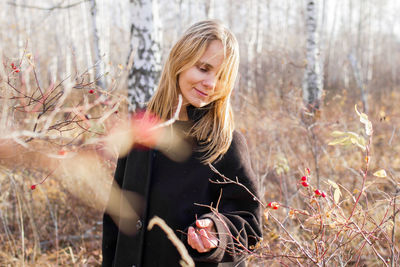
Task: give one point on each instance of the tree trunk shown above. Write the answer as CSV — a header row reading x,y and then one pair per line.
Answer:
x,y
251,47
312,83
259,84
358,75
209,8
99,69
145,46
86,45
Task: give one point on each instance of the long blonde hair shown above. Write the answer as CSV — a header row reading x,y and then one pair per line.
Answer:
x,y
214,130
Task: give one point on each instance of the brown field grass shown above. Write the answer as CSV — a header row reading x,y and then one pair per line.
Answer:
x,y
59,223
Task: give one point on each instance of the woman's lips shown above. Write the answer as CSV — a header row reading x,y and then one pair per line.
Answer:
x,y
200,92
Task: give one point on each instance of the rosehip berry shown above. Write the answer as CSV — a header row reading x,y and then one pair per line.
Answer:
x,y
304,183
13,66
91,91
304,179
323,194
33,187
16,70
273,205
318,193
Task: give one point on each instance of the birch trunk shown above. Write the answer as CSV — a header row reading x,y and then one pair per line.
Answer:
x,y
209,8
312,83
99,69
86,46
358,75
145,47
251,47
259,52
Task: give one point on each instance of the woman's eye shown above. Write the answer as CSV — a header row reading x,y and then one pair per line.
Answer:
x,y
202,69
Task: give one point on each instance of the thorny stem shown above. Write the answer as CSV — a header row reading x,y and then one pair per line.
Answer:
x,y
218,215
294,240
230,181
314,150
364,178
393,228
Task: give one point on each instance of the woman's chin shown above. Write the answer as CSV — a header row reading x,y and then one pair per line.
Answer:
x,y
198,103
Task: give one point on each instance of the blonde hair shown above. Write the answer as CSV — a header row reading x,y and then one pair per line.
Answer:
x,y
214,130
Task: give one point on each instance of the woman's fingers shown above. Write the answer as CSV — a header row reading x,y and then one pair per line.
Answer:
x,y
194,240
205,223
208,239
201,240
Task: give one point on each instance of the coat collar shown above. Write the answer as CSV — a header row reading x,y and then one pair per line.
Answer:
x,y
195,114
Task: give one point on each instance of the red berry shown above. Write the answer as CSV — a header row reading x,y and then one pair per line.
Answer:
x,y
304,183
91,91
304,178
318,193
13,66
62,152
323,194
273,205
16,70
33,187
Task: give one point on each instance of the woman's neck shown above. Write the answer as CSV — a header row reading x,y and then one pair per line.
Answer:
x,y
183,115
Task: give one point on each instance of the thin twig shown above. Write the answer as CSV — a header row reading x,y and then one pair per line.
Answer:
x,y
230,181
186,259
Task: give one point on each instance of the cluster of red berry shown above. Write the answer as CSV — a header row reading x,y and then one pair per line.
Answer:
x,y
304,182
14,67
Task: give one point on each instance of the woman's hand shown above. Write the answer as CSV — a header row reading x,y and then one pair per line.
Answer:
x,y
202,238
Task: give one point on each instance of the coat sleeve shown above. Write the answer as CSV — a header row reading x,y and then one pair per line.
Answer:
x,y
110,229
238,215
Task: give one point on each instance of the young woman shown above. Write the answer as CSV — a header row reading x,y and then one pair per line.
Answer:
x,y
216,218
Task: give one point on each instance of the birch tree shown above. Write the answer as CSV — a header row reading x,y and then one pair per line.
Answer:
x,y
145,49
99,71
209,8
312,83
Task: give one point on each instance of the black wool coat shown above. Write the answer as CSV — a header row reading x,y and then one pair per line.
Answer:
x,y
180,192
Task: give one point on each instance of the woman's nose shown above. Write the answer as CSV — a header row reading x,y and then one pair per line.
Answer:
x,y
209,82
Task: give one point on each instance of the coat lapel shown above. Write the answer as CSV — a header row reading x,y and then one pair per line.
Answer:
x,y
135,186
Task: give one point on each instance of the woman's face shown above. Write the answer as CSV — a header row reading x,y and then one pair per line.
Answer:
x,y
197,83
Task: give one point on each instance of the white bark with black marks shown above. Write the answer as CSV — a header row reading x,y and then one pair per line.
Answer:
x,y
312,83
145,46
87,49
99,69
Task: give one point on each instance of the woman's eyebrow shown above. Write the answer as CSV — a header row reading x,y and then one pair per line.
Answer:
x,y
208,65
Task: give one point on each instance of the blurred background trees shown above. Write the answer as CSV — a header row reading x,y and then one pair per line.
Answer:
x,y
272,37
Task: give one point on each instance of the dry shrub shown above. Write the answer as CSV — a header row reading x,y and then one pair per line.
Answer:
x,y
307,229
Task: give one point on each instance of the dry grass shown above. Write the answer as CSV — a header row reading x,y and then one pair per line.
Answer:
x,y
282,146
59,223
